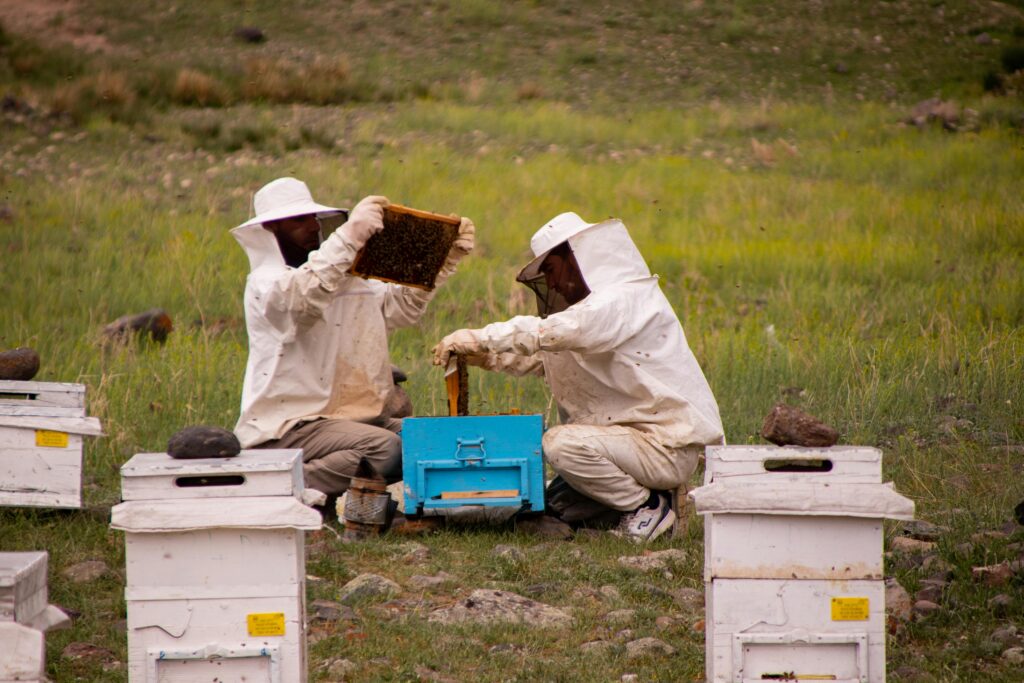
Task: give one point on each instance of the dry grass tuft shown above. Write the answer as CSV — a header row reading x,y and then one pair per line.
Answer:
x,y
529,91
107,91
193,87
764,154
325,80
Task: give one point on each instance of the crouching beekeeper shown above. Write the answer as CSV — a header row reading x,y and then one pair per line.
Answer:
x,y
318,372
636,409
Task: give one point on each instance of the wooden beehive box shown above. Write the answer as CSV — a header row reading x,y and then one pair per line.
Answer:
x,y
215,567
25,615
410,250
793,562
41,430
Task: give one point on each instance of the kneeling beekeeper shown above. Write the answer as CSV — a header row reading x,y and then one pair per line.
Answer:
x,y
318,372
636,408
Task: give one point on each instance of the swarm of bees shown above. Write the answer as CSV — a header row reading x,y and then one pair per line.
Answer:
x,y
410,250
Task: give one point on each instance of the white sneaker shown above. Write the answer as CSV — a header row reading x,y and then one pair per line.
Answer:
x,y
646,524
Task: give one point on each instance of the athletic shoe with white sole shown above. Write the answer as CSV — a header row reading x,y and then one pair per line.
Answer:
x,y
646,524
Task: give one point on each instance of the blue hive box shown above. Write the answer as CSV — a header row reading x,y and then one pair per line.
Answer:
x,y
490,460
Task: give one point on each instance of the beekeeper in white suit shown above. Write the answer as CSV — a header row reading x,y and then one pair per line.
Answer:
x,y
636,407
318,372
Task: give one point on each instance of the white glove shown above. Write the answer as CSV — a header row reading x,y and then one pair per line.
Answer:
x,y
364,221
463,243
465,342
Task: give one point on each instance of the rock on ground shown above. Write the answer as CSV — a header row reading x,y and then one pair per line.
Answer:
x,y
620,616
598,647
545,526
84,572
420,582
488,606
508,553
789,426
327,610
645,647
203,441
652,561
19,364
897,601
366,586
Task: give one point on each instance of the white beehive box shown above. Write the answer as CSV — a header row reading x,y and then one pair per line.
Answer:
x,y
214,550
41,430
793,562
25,615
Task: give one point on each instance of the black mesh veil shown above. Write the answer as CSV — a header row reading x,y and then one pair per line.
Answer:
x,y
549,299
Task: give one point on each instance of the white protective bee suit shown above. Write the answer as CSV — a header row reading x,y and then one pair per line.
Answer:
x,y
636,407
318,348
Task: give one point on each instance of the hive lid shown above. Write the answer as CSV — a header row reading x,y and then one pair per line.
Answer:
x,y
258,512
257,460
836,499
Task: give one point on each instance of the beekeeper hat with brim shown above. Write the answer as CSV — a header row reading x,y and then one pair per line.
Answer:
x,y
559,229
285,198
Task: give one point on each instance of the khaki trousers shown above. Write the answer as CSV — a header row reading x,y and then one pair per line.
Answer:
x,y
331,450
615,465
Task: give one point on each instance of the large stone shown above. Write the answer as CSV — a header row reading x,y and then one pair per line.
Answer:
x,y
203,441
897,601
414,553
620,616
84,572
923,531
488,606
789,426
993,575
923,608
601,648
155,323
508,553
646,647
689,598
20,364
367,587
422,583
326,610
545,526
905,544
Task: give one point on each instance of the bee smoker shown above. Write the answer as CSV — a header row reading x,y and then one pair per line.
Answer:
x,y
368,505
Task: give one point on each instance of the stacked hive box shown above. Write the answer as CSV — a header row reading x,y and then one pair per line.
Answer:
x,y
215,567
25,616
793,564
41,430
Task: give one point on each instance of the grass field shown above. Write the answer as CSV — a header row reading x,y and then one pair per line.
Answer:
x,y
817,248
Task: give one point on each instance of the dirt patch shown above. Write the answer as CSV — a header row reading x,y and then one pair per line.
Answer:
x,y
58,20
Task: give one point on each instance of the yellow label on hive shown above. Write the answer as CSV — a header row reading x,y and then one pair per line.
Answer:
x,y
265,624
850,609
50,439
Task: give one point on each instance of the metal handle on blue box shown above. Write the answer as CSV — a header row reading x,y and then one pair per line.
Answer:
x,y
470,443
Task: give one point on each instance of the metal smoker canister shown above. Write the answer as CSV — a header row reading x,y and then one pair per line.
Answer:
x,y
367,503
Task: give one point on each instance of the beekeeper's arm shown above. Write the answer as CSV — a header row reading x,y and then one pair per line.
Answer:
x,y
594,325
298,297
403,306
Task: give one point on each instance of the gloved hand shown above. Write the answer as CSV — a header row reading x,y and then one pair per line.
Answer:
x,y
365,220
466,342
464,242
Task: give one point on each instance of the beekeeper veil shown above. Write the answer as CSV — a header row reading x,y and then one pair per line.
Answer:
x,y
573,258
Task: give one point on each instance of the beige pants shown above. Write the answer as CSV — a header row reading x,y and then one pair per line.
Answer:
x,y
331,450
615,465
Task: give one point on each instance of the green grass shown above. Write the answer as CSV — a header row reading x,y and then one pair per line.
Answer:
x,y
862,269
